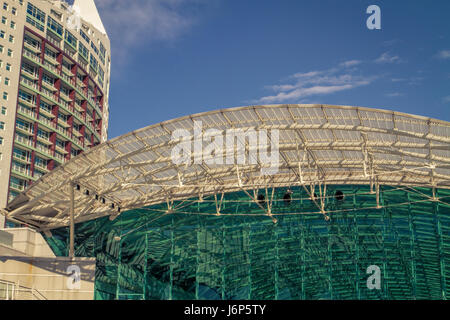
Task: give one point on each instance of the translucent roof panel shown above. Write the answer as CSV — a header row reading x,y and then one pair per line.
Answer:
x,y
312,144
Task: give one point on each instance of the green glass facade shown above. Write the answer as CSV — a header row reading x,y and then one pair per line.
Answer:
x,y
193,253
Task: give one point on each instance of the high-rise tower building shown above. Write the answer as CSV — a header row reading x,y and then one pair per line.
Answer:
x,y
54,73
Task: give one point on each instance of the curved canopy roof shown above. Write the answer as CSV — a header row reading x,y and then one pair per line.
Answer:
x,y
318,145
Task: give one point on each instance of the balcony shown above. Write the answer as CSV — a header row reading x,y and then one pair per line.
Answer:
x,y
49,95
63,122
65,96
53,41
46,112
66,77
47,122
45,140
24,129
69,52
30,74
67,71
26,111
64,131
80,88
81,84
51,59
89,117
51,67
78,109
82,63
44,150
28,83
41,166
20,170
31,46
59,157
23,141
33,57
90,126
49,86
16,187
65,104
76,133
61,149
22,158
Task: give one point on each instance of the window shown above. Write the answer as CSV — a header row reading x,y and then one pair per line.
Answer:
x,y
60,143
94,47
7,81
51,54
11,39
48,79
26,96
4,20
55,26
1,140
21,2
14,11
102,49
84,36
43,134
70,39
35,17
101,76
4,111
13,25
94,63
8,67
5,95
83,51
5,6
1,48
2,34
40,162
2,125
10,53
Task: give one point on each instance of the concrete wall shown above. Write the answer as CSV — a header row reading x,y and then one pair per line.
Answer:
x,y
30,242
49,276
29,263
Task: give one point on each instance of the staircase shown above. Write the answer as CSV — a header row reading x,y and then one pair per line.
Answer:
x,y
14,291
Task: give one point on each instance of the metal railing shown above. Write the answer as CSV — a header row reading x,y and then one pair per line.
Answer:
x,y
53,41
24,141
14,291
20,169
28,82
31,56
24,128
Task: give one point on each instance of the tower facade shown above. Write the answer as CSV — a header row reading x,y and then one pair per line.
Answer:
x,y
54,72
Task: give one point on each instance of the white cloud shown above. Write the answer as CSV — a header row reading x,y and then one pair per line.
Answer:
x,y
446,99
388,58
315,83
350,63
444,54
394,95
134,22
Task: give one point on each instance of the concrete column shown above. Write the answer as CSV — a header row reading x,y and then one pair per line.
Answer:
x,y
2,221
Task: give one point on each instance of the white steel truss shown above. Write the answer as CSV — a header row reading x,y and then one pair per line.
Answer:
x,y
319,145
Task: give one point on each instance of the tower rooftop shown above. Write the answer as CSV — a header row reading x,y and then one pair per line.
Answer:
x,y
89,12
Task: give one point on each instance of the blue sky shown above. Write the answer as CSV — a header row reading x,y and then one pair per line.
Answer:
x,y
177,57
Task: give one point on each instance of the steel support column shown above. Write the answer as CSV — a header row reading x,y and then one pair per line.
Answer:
x,y
72,223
